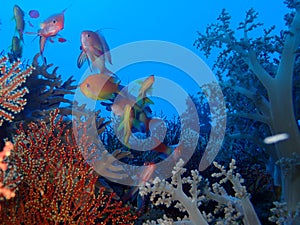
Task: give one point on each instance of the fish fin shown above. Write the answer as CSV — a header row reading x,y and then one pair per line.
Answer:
x,y
113,78
121,126
138,125
31,33
81,59
42,25
34,38
42,43
107,71
97,51
42,47
105,46
144,101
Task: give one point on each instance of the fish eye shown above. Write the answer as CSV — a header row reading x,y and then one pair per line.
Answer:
x,y
88,35
54,21
87,85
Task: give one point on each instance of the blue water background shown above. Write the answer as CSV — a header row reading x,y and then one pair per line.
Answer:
x,y
128,21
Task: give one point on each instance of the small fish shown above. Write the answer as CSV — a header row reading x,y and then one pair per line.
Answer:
x,y
50,28
95,50
34,14
126,123
165,151
126,98
146,86
119,103
16,49
31,25
141,114
100,87
143,122
61,40
19,18
276,138
118,106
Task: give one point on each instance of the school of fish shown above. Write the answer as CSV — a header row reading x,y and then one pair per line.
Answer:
x,y
134,111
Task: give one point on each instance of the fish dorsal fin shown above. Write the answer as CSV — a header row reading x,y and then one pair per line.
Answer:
x,y
105,47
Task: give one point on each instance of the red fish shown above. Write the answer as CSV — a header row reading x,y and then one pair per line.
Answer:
x,y
166,151
95,50
61,40
50,28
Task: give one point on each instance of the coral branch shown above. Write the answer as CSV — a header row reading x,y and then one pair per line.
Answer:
x,y
11,93
235,207
58,185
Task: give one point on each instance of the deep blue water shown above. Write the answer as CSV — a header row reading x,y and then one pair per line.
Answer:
x,y
126,22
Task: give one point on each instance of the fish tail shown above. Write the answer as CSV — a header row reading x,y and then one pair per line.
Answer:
x,y
144,101
21,36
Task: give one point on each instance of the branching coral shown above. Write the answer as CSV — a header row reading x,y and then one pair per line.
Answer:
x,y
235,208
58,185
7,180
281,214
261,70
12,99
46,92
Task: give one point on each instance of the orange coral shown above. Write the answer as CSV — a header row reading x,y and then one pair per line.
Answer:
x,y
58,185
11,94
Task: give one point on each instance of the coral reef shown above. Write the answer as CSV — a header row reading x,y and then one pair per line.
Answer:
x,y
47,92
7,181
234,208
58,186
261,72
12,99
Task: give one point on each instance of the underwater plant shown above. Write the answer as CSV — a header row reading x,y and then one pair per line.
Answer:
x,y
42,92
234,209
58,186
263,72
12,99
47,92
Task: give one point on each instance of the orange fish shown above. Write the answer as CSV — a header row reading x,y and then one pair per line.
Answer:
x,y
95,50
50,28
126,123
146,86
100,87
121,101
